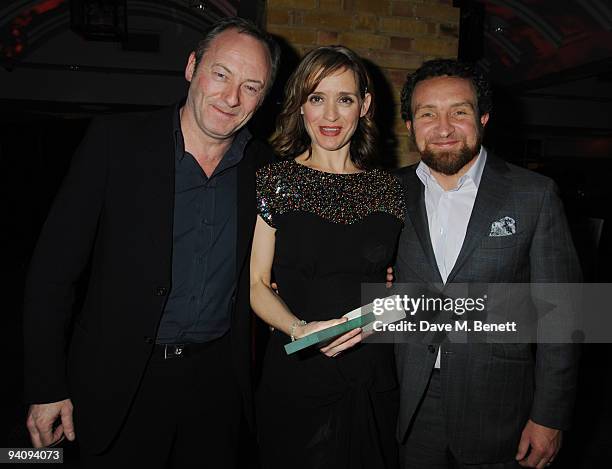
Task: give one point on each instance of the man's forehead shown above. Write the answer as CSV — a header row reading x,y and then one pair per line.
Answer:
x,y
442,86
236,50
234,41
445,81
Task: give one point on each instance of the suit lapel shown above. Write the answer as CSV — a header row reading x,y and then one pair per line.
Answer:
x,y
246,208
417,214
159,148
491,195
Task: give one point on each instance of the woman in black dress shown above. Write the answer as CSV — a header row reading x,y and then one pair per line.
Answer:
x,y
327,223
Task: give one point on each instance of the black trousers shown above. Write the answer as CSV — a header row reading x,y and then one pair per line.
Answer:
x,y
426,445
186,413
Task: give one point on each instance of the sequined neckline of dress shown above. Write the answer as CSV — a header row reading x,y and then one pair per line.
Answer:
x,y
344,198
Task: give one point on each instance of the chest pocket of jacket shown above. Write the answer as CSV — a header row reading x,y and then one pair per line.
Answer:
x,y
501,242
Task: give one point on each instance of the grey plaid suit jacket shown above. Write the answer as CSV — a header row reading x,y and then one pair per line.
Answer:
x,y
489,391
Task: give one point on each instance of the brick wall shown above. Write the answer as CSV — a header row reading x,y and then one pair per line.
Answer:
x,y
396,35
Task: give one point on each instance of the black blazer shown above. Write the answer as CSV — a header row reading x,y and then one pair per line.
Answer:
x,y
114,212
490,390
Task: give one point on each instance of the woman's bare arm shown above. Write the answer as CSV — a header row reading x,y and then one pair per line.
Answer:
x,y
270,307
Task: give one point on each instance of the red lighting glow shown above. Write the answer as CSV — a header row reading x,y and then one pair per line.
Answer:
x,y
16,31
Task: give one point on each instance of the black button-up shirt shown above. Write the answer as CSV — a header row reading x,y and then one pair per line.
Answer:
x,y
204,246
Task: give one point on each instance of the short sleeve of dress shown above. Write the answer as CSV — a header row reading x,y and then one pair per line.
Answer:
x,y
396,197
266,181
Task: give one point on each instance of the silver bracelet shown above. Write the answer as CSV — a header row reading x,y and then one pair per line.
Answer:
x,y
299,322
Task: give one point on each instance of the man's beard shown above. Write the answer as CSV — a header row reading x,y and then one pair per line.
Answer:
x,y
451,162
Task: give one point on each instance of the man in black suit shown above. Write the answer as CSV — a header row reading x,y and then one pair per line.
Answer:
x,y
472,218
155,366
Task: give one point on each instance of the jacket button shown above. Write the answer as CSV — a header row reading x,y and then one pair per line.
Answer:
x,y
148,340
160,291
431,348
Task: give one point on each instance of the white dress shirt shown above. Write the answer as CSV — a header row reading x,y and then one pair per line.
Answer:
x,y
448,213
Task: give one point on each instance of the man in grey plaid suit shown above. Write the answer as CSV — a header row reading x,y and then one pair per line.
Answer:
x,y
473,218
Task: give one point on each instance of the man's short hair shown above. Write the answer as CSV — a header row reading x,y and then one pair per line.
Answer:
x,y
448,68
243,26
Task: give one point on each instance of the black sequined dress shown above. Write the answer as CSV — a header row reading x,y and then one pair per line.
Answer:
x,y
333,232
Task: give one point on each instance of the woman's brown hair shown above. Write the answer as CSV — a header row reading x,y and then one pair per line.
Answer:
x,y
291,138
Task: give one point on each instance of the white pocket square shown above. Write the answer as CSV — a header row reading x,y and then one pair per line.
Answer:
x,y
503,227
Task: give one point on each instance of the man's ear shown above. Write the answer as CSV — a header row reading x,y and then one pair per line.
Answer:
x,y
484,119
191,67
409,126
